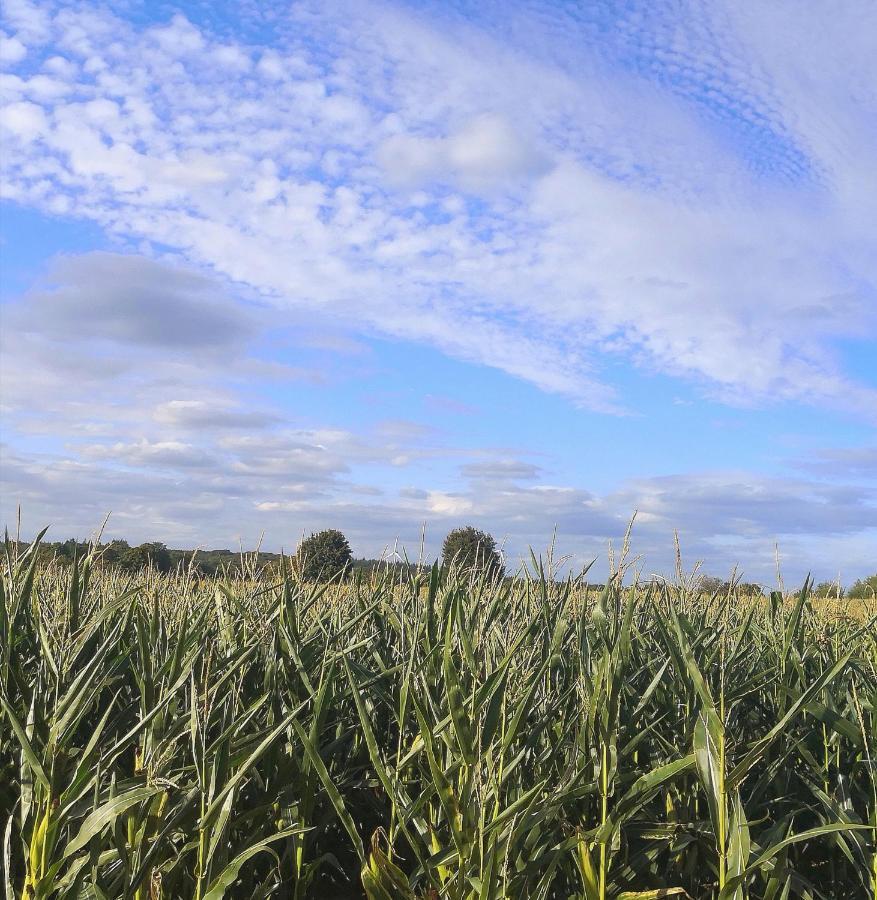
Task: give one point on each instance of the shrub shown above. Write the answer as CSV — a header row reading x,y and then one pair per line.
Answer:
x,y
471,549
323,556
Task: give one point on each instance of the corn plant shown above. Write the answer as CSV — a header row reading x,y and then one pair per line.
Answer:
x,y
430,733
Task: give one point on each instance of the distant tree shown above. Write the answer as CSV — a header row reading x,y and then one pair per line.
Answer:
x,y
113,552
828,589
323,556
708,584
864,588
472,550
67,551
150,555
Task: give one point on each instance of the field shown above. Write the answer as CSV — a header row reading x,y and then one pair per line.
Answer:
x,y
430,735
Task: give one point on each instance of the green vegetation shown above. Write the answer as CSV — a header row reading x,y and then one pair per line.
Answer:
x,y
864,588
430,734
117,554
323,556
472,550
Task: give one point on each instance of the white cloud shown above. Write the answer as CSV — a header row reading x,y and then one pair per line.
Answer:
x,y
151,454
651,234
502,470
232,57
179,37
444,504
486,152
28,19
12,50
25,120
130,300
842,462
696,204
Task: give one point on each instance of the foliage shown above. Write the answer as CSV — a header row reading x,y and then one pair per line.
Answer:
x,y
864,588
707,584
116,553
429,737
153,555
233,562
470,549
323,556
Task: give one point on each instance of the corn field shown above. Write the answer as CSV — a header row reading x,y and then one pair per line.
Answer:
x,y
430,735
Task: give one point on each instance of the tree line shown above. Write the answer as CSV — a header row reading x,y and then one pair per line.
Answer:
x,y
326,555
322,556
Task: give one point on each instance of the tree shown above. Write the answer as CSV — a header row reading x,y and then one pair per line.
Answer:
x,y
864,588
114,552
827,589
153,554
323,556
709,584
472,550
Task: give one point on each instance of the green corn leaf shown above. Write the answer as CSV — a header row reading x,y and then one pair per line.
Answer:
x,y
28,752
106,815
757,752
656,894
229,874
732,884
334,794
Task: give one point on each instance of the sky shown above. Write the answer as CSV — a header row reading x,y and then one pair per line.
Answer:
x,y
396,267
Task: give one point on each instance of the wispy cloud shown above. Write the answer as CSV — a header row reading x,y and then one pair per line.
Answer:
x,y
561,194
430,180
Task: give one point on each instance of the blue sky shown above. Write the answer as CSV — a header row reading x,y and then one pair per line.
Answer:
x,y
381,266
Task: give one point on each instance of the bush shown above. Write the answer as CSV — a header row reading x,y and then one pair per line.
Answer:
x,y
323,556
471,549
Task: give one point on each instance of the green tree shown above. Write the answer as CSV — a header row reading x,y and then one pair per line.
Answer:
x,y
828,589
471,549
864,588
67,551
113,553
323,556
709,584
153,554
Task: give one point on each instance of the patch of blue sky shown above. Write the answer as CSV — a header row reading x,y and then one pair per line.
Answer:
x,y
476,408
251,22
28,239
859,357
